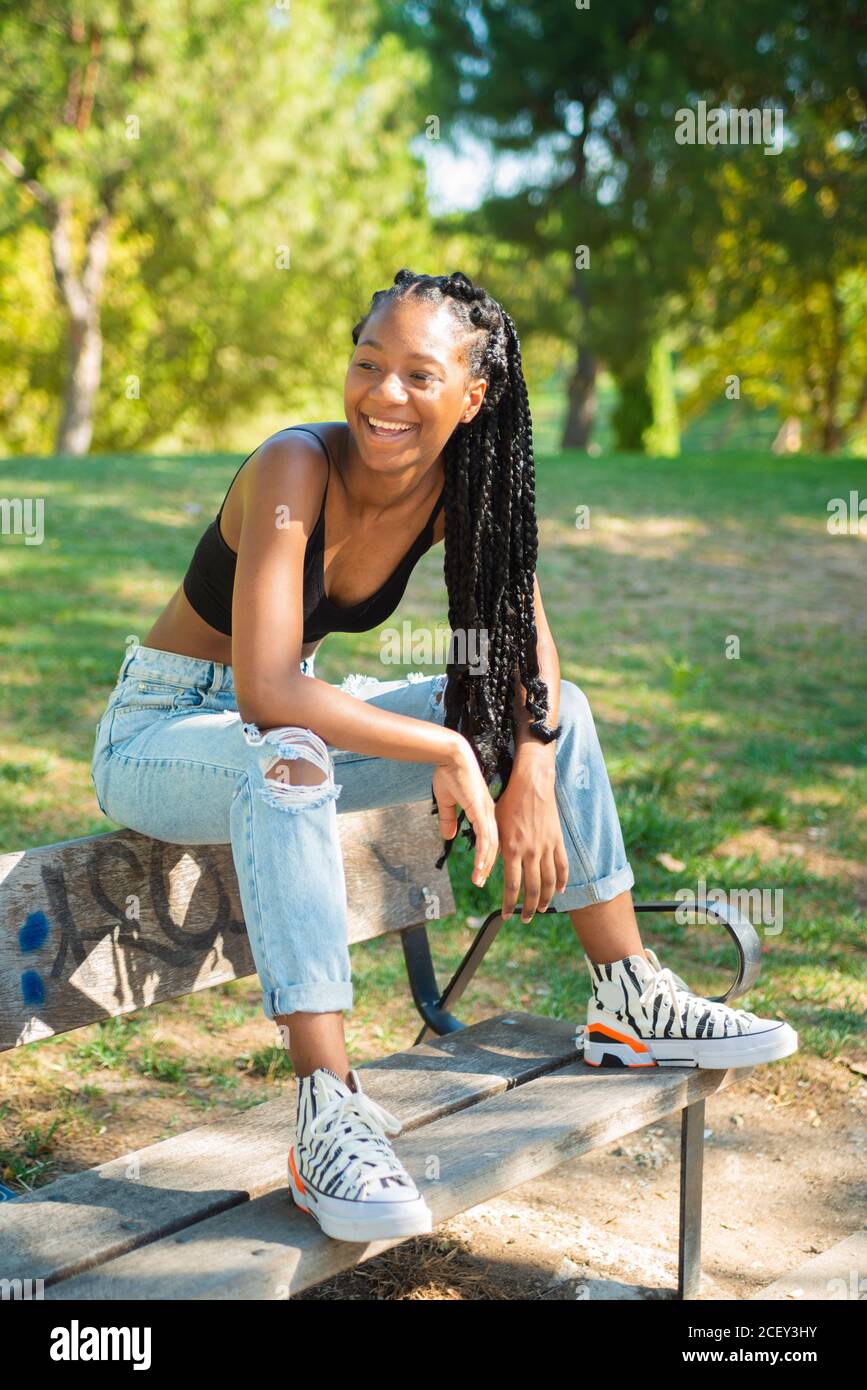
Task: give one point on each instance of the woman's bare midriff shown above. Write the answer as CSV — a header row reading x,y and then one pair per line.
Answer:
x,y
180,629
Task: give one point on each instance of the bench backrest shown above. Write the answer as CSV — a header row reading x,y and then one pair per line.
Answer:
x,y
101,926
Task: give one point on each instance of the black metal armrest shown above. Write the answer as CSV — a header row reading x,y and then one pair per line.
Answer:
x,y
435,1007
743,934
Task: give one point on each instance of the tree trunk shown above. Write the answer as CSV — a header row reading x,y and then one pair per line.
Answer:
x,y
84,359
831,432
831,435
82,296
581,411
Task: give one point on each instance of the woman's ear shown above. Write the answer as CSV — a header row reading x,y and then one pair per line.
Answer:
x,y
473,397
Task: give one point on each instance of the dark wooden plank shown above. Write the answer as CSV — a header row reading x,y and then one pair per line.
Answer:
x,y
268,1249
107,924
92,1216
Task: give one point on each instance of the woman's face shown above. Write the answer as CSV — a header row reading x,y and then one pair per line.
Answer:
x,y
408,370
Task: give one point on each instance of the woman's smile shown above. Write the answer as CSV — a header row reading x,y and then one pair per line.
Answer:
x,y
382,428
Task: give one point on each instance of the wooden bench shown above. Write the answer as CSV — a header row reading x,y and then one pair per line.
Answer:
x,y
101,926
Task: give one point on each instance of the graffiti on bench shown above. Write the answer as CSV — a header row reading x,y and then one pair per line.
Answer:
x,y
103,925
134,919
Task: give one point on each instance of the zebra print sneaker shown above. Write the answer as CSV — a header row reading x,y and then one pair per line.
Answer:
x,y
641,1015
342,1168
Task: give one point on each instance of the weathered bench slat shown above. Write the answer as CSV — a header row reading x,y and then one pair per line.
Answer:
x,y
107,924
94,1215
267,1249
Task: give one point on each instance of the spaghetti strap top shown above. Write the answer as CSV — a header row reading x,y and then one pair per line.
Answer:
x,y
210,578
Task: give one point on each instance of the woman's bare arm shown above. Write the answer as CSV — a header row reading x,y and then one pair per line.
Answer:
x,y
282,498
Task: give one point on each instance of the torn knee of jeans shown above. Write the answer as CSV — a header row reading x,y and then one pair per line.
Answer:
x,y
291,789
355,683
436,695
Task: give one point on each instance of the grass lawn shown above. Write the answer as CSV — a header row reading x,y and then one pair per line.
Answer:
x,y
748,771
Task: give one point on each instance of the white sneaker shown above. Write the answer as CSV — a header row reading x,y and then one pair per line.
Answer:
x,y
641,1015
343,1170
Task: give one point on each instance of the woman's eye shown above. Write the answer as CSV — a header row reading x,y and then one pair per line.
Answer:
x,y
419,376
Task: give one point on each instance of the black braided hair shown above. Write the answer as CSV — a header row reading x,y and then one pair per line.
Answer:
x,y
491,537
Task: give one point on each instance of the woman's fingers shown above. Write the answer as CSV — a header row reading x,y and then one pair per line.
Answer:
x,y
562,866
542,877
511,883
447,809
532,887
484,823
459,782
549,881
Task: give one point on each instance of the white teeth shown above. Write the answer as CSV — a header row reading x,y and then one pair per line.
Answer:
x,y
388,425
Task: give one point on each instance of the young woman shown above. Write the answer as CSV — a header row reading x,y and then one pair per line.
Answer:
x,y
219,732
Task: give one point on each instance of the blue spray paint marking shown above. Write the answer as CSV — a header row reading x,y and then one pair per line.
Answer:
x,y
32,935
34,932
32,988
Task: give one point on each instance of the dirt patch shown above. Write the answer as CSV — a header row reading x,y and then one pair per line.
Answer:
x,y
805,846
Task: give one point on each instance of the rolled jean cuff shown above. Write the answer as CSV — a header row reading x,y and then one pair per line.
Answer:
x,y
598,890
324,997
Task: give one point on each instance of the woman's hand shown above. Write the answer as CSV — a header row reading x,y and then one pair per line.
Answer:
x,y
531,840
459,782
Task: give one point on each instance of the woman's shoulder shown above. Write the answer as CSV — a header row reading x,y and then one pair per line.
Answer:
x,y
324,435
303,452
289,466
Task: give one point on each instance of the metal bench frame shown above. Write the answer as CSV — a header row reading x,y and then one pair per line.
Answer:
x,y
434,1006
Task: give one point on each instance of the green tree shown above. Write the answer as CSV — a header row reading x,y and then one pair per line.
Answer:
x,y
215,190
551,82
783,302
590,99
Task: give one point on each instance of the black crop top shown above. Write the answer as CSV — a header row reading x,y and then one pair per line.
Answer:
x,y
210,578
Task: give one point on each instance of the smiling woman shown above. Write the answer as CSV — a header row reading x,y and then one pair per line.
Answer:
x,y
417,349
218,730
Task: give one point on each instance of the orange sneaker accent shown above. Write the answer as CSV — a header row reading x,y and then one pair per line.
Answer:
x,y
296,1175
618,1037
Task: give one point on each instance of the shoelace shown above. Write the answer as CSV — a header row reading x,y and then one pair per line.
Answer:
x,y
360,1109
666,979
578,1035
654,960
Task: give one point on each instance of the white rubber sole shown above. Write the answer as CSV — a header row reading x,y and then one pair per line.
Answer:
x,y
616,1048
340,1217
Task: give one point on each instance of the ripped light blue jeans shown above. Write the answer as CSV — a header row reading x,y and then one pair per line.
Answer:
x,y
174,760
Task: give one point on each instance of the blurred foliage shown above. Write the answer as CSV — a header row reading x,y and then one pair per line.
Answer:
x,y
752,262
784,303
268,191
263,171
662,437
633,414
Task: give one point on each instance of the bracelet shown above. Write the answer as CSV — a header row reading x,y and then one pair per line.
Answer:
x,y
545,734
